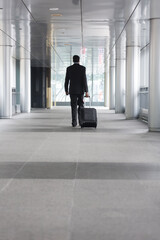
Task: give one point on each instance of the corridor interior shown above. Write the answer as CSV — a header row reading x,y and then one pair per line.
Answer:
x,y
64,183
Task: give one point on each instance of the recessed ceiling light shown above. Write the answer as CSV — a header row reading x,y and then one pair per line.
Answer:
x,y
56,15
54,9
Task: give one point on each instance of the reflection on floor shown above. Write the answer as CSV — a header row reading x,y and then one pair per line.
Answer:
x,y
64,183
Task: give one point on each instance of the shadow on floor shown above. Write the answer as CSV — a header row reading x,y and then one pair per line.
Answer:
x,y
81,170
62,129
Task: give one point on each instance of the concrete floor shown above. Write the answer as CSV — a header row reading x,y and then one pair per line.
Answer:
x,y
64,183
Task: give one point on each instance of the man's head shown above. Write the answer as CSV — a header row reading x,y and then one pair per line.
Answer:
x,y
76,58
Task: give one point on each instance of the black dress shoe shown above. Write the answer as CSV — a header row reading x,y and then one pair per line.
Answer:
x,y
74,124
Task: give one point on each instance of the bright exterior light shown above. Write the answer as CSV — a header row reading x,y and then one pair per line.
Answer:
x,y
54,9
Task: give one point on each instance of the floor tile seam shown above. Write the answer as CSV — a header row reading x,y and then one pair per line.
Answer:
x,y
73,196
30,158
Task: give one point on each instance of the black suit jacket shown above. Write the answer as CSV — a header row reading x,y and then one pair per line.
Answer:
x,y
76,79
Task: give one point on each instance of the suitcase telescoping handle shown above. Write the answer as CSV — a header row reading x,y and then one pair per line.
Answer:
x,y
89,101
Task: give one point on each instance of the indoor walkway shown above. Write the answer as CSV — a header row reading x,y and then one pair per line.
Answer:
x,y
64,183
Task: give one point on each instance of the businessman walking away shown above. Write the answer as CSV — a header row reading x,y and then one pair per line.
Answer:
x,y
76,86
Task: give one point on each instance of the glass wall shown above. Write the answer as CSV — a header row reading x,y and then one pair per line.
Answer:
x,y
145,67
92,59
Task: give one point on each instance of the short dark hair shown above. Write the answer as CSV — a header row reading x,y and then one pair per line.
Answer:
x,y
76,58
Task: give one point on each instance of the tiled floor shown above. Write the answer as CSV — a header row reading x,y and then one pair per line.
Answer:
x,y
64,183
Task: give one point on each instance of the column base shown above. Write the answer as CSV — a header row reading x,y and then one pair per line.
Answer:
x,y
5,117
154,129
132,118
119,112
25,111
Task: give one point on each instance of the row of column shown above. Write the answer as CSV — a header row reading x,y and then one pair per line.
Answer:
x,y
7,51
124,75
6,84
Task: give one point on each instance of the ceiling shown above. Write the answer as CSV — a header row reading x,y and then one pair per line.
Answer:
x,y
30,27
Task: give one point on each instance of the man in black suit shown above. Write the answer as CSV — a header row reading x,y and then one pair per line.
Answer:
x,y
77,82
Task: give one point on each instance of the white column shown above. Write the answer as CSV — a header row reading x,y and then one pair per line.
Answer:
x,y
25,85
112,81
154,84
132,72
120,77
106,83
5,82
25,69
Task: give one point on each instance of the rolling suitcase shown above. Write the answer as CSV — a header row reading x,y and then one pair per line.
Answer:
x,y
88,117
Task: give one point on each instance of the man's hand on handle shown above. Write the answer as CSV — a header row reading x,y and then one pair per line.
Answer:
x,y
87,94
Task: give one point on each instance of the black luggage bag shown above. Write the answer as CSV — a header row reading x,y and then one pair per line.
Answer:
x,y
88,117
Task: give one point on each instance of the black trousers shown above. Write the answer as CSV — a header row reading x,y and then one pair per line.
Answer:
x,y
76,99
